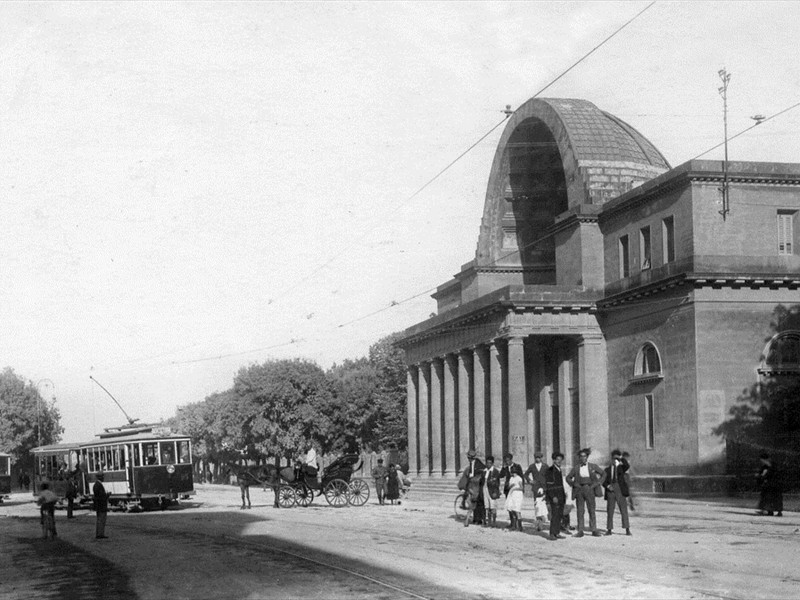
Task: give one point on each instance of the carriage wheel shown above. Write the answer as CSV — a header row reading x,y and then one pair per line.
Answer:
x,y
304,495
359,492
459,507
336,493
286,497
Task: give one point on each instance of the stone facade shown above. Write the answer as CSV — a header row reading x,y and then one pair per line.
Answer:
x,y
609,303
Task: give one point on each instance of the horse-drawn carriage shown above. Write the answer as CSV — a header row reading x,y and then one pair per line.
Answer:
x,y
300,485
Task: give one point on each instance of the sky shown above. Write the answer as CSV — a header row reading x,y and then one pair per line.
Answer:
x,y
187,189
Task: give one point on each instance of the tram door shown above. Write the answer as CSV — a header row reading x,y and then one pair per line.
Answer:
x,y
129,456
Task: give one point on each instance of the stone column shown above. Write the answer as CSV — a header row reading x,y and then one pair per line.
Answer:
x,y
436,418
593,390
424,420
517,401
565,399
479,367
411,404
545,411
464,418
450,441
496,401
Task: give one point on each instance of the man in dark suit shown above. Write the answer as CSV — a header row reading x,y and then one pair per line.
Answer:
x,y
536,475
100,502
556,497
471,480
586,480
617,491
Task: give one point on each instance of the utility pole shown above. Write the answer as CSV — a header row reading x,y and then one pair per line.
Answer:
x,y
723,91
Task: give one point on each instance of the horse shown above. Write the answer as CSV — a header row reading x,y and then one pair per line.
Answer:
x,y
265,475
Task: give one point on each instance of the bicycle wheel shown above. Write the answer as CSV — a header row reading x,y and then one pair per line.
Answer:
x,y
460,507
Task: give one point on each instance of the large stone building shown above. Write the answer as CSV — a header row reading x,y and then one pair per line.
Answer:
x,y
609,304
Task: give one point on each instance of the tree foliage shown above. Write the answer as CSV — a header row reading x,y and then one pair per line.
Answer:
x,y
26,419
766,416
278,408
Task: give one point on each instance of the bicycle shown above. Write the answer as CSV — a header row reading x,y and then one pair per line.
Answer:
x,y
459,506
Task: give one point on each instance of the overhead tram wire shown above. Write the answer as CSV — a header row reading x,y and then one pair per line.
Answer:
x,y
465,152
743,131
414,195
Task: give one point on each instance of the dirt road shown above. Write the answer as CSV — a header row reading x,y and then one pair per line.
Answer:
x,y
209,548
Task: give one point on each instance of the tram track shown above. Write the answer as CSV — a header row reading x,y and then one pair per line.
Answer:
x,y
276,546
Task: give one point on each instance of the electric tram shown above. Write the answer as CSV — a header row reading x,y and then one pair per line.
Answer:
x,y
5,475
143,466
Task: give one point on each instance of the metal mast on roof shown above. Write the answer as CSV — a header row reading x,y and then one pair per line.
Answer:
x,y
130,421
723,91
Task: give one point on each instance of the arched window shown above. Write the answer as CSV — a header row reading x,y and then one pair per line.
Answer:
x,y
782,355
648,363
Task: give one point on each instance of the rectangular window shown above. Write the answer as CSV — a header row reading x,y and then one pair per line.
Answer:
x,y
624,258
644,248
649,424
785,232
668,239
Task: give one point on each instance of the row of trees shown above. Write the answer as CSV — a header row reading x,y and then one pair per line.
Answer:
x,y
276,409
26,418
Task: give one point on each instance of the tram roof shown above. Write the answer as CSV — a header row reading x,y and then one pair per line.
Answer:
x,y
143,436
55,448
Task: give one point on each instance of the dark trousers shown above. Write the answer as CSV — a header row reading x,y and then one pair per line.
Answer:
x,y
100,529
70,507
584,498
556,508
614,498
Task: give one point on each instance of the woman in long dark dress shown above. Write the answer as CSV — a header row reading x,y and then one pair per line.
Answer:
x,y
393,485
769,477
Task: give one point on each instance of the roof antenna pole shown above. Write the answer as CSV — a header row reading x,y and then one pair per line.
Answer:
x,y
130,421
723,91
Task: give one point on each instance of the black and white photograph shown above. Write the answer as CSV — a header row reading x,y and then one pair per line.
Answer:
x,y
378,300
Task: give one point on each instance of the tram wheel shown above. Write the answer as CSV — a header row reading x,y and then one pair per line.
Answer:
x,y
359,492
304,495
336,493
286,497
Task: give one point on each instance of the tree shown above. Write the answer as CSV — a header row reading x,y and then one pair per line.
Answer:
x,y
391,427
766,416
285,405
353,415
26,419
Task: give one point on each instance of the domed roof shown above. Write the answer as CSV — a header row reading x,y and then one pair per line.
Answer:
x,y
598,135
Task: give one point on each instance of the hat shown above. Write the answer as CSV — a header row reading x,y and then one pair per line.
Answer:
x,y
471,454
380,460
586,451
100,476
555,455
537,455
616,452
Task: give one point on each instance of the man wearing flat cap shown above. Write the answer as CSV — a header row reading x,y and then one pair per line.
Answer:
x,y
586,480
617,492
470,482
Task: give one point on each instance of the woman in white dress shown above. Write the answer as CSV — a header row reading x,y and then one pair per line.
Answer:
x,y
514,501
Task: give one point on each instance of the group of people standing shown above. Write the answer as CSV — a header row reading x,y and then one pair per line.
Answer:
x,y
483,483
389,482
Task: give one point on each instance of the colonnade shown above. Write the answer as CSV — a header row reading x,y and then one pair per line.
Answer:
x,y
513,394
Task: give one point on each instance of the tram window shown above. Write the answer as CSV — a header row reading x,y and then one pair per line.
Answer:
x,y
117,462
167,453
150,453
137,458
183,452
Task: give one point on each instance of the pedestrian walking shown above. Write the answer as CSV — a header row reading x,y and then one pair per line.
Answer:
x,y
769,478
100,504
616,492
586,480
379,476
556,496
490,484
71,494
46,500
393,484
